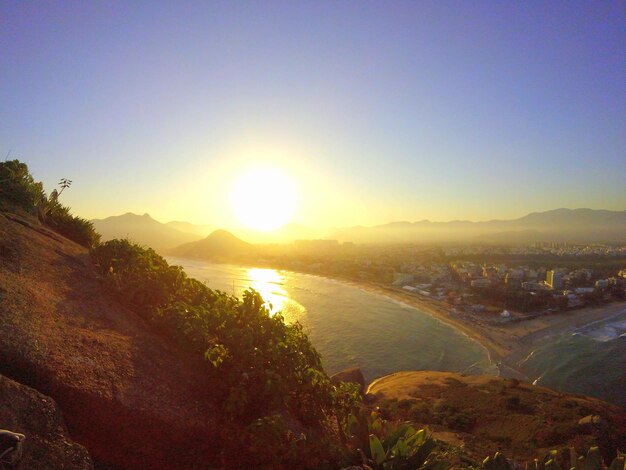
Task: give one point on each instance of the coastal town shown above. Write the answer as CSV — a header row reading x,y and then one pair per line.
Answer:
x,y
495,283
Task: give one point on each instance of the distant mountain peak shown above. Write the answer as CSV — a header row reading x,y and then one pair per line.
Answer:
x,y
142,229
219,232
219,244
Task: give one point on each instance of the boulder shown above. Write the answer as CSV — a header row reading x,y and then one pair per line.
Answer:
x,y
590,419
46,444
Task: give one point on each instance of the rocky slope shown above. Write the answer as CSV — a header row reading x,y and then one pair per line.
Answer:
x,y
128,395
47,445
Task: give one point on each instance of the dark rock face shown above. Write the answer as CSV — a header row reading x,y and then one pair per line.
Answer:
x,y
47,445
353,375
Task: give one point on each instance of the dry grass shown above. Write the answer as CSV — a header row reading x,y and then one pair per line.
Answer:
x,y
488,413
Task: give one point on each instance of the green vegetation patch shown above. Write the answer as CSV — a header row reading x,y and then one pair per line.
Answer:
x,y
19,189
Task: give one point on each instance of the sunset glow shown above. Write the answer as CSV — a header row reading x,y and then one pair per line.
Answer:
x,y
268,283
263,199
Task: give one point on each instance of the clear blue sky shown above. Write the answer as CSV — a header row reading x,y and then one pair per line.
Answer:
x,y
379,111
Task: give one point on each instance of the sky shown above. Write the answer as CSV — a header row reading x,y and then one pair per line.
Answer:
x,y
377,111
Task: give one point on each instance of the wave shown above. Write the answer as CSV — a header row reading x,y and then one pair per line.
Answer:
x,y
604,333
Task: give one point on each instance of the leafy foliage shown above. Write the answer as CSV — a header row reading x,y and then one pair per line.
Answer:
x,y
384,444
554,460
18,186
59,218
262,363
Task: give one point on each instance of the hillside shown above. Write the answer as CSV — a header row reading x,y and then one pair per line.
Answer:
x,y
127,394
152,369
144,230
484,413
219,245
187,227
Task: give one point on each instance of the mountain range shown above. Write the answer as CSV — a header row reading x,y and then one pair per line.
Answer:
x,y
572,225
144,230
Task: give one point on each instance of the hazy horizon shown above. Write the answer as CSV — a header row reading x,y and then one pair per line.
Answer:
x,y
165,221
322,114
578,226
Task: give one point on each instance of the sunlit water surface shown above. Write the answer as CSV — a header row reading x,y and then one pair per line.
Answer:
x,y
349,326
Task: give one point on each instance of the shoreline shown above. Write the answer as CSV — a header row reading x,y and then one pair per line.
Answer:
x,y
505,343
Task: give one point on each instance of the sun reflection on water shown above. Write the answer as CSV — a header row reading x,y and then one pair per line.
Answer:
x,y
268,283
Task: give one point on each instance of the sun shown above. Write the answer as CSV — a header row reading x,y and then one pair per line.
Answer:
x,y
263,199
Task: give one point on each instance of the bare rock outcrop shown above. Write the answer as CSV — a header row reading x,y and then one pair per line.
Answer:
x,y
47,444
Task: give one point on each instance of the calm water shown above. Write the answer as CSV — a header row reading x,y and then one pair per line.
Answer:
x,y
349,326
353,327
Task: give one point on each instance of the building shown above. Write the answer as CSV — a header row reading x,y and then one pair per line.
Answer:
x,y
533,286
476,308
584,290
554,279
481,283
317,245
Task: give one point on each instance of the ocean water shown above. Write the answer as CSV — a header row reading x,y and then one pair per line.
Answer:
x,y
350,326
591,361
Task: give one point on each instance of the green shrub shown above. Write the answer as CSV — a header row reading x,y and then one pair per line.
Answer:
x,y
18,186
421,412
260,363
383,444
406,403
77,229
459,421
513,403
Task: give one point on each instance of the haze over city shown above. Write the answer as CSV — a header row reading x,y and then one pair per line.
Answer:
x,y
339,114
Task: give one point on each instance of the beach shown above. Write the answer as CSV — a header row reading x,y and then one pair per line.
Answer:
x,y
506,342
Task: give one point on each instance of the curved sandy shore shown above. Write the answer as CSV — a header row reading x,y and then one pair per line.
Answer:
x,y
507,342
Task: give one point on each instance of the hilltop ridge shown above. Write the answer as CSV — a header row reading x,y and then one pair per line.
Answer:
x,y
573,225
142,229
219,245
